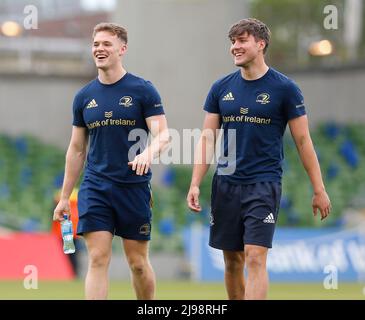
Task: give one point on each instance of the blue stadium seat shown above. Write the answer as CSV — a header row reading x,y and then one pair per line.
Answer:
x,y
349,153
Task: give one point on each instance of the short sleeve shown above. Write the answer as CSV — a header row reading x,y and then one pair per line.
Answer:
x,y
78,118
152,105
293,101
212,102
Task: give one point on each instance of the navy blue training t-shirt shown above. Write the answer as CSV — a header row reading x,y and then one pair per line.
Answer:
x,y
258,112
110,112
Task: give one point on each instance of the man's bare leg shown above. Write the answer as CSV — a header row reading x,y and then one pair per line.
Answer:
x,y
257,278
233,275
143,277
99,245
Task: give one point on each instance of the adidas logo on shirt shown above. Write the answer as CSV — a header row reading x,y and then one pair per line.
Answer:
x,y
269,219
91,104
228,97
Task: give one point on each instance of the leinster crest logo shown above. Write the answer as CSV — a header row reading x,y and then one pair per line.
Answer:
x,y
145,229
263,98
126,101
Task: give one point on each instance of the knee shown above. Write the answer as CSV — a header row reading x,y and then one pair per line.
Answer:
x,y
99,258
138,266
233,264
255,259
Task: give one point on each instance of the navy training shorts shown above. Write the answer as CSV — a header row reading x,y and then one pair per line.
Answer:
x,y
123,210
243,214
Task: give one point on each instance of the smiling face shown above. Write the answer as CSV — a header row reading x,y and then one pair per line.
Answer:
x,y
246,49
107,50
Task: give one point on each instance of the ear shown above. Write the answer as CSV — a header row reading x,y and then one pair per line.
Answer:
x,y
261,44
123,49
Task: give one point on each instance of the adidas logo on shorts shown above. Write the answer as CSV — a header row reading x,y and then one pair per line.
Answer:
x,y
269,219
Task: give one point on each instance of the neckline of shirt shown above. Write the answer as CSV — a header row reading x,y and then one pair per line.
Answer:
x,y
109,85
258,79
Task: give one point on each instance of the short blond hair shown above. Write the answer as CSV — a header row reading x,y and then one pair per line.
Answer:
x,y
113,28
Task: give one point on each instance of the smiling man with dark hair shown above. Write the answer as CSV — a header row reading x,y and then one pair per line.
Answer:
x,y
256,102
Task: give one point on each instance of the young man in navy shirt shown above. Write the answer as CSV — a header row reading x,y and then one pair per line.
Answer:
x,y
115,195
256,103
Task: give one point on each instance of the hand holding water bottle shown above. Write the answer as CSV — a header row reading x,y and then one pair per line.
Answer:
x,y
67,235
62,208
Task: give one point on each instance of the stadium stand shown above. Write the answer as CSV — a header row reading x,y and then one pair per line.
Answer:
x,y
31,173
29,176
341,152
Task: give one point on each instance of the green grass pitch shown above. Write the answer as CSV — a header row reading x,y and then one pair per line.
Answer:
x,y
178,290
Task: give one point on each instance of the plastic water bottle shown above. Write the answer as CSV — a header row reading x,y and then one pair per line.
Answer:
x,y
67,235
